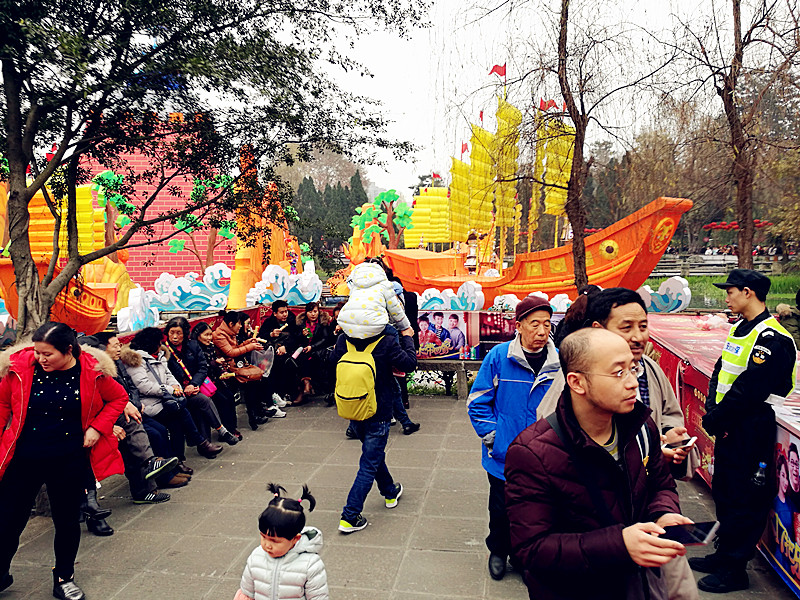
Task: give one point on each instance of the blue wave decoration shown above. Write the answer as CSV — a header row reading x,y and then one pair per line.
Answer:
x,y
277,284
468,297
191,293
673,295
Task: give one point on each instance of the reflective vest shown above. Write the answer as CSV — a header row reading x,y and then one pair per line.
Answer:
x,y
736,353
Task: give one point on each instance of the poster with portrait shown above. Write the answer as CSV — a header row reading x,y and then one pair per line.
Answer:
x,y
781,541
444,334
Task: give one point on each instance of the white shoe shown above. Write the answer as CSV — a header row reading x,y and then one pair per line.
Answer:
x,y
279,414
279,402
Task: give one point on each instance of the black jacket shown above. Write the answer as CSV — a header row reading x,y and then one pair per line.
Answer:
x,y
387,354
291,337
744,404
194,360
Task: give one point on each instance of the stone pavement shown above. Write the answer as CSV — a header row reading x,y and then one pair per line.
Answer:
x,y
428,548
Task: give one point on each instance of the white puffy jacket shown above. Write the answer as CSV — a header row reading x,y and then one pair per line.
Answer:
x,y
372,302
299,573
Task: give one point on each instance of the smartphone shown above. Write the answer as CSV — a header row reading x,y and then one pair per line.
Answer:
x,y
687,443
694,534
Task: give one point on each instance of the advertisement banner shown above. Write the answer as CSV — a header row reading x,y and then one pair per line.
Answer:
x,y
446,334
780,544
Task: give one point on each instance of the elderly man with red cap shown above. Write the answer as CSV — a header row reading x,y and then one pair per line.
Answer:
x,y
511,382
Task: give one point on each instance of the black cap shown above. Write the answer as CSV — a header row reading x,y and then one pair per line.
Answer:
x,y
747,278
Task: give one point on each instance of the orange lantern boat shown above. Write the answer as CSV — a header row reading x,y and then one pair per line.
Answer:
x,y
623,254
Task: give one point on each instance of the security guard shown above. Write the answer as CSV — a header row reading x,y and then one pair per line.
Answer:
x,y
758,360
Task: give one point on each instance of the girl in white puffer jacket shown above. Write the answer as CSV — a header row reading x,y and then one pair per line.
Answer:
x,y
287,561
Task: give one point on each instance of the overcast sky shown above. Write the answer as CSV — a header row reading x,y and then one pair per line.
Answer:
x,y
437,81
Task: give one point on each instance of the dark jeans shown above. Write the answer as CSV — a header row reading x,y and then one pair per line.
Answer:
x,y
398,410
64,477
226,406
499,539
160,445
180,425
371,466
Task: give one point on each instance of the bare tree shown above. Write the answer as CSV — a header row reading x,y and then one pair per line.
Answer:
x,y
596,67
718,52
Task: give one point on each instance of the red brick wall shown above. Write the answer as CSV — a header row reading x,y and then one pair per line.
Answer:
x,y
146,263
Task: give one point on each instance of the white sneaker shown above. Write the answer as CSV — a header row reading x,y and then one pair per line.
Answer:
x,y
279,414
279,402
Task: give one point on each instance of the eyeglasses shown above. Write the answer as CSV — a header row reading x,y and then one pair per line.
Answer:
x,y
635,371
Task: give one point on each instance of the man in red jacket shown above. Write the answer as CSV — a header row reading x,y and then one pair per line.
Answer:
x,y
587,490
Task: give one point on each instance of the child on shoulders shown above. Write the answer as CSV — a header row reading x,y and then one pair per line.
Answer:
x,y
373,303
288,557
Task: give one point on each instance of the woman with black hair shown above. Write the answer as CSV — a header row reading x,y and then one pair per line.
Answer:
x,y
224,397
162,395
224,338
188,364
57,404
317,337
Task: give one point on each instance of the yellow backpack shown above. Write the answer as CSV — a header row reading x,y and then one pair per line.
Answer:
x,y
355,383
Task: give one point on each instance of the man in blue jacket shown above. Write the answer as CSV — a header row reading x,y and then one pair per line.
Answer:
x,y
511,382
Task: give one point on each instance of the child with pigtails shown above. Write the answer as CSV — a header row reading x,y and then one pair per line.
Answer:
x,y
287,563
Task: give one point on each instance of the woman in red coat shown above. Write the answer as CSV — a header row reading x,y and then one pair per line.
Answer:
x,y
58,405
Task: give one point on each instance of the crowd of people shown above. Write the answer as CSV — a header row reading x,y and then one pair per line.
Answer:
x,y
575,427
575,445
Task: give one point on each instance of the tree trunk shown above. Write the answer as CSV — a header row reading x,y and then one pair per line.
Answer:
x,y
211,244
577,180
741,146
575,209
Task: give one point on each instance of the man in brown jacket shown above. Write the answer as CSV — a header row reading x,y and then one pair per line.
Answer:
x,y
587,503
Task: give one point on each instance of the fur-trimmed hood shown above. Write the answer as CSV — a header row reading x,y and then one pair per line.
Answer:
x,y
323,319
22,354
130,358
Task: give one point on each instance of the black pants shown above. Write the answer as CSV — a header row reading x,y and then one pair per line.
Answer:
x,y
64,477
742,507
499,539
226,406
180,425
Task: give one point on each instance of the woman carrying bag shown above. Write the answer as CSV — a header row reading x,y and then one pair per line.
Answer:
x,y
162,396
188,364
224,398
58,404
236,354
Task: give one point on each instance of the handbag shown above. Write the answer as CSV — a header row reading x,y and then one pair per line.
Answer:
x,y
247,373
208,388
169,401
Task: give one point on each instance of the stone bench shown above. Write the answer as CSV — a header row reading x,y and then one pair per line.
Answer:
x,y
459,367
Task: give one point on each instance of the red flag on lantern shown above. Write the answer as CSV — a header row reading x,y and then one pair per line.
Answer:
x,y
542,105
499,70
436,176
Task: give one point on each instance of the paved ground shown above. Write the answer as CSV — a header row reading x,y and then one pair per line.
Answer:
x,y
428,548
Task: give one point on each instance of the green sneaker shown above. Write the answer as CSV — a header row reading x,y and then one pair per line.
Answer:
x,y
357,524
391,501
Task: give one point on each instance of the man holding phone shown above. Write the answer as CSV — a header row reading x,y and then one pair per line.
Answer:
x,y
758,360
570,507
